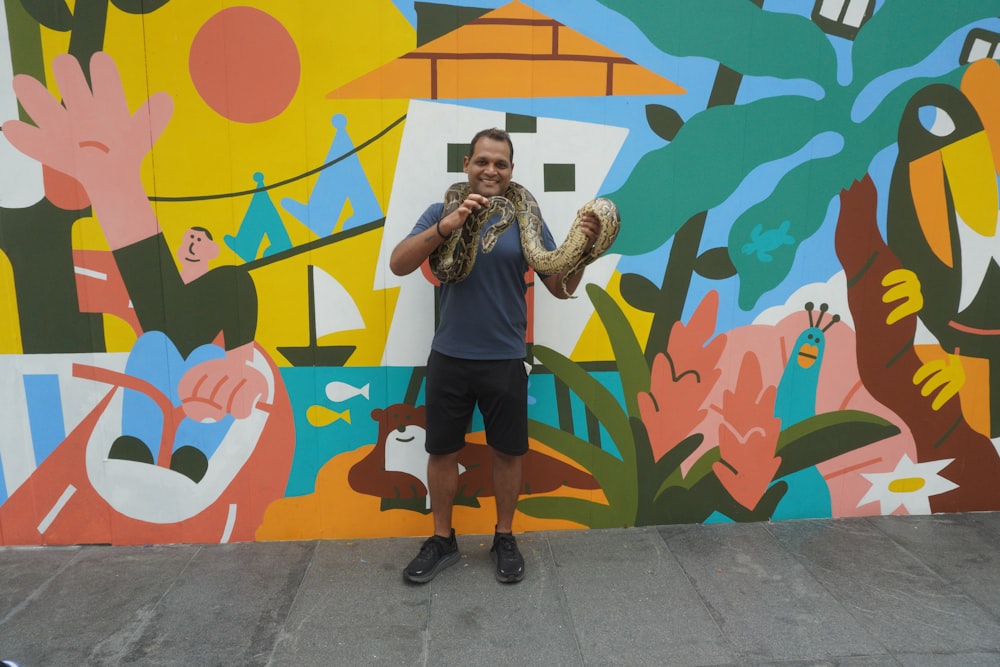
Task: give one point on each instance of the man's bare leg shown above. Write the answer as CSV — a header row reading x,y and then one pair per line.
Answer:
x,y
507,471
442,480
441,549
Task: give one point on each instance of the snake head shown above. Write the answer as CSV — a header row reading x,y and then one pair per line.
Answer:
x,y
490,237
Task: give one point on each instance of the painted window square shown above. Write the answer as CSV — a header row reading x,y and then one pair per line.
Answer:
x,y
559,177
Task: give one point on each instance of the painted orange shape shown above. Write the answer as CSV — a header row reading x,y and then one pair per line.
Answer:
x,y
245,65
980,85
538,56
930,203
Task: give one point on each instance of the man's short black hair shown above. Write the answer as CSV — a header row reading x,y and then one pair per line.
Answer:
x,y
496,134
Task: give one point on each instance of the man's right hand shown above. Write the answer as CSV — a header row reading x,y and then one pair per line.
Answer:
x,y
411,252
460,215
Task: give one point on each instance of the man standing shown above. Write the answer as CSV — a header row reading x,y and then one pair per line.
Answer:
x,y
477,357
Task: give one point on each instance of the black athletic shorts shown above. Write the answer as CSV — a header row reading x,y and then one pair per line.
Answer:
x,y
455,386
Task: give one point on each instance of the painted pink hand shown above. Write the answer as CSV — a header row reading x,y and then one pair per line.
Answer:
x,y
220,387
91,137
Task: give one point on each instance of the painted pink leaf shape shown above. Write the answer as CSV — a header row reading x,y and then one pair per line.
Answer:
x,y
681,379
748,436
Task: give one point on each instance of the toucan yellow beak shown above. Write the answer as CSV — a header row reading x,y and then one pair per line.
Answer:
x,y
968,163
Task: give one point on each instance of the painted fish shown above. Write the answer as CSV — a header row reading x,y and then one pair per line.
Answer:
x,y
339,392
321,416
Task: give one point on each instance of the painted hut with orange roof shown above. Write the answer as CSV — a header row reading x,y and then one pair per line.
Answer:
x,y
537,57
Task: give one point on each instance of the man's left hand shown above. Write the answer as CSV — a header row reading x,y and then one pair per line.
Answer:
x,y
591,226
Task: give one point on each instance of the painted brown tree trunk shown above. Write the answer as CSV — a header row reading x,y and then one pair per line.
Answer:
x,y
887,362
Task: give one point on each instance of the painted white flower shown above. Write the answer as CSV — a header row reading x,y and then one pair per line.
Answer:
x,y
910,485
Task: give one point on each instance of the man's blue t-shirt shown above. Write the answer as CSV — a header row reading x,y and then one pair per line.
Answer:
x,y
485,316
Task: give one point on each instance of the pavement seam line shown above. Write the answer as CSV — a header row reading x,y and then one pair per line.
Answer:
x,y
819,580
35,594
137,634
562,597
713,613
282,631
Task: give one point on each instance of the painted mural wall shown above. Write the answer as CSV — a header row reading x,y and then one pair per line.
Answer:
x,y
201,340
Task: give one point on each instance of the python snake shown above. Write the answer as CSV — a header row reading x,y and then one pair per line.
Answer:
x,y
452,261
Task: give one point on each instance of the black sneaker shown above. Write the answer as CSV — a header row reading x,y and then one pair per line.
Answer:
x,y
436,554
510,563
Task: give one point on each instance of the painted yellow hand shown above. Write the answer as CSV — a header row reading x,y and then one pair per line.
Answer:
x,y
948,375
903,285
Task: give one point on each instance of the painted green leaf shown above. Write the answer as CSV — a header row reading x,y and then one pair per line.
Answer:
x,y
608,471
645,474
633,370
764,509
797,199
585,512
670,462
714,151
737,34
829,435
694,505
701,467
705,163
650,476
709,495
595,396
913,28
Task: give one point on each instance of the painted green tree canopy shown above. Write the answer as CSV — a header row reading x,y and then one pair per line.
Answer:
x,y
716,149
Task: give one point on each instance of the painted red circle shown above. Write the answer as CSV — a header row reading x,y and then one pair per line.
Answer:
x,y
245,65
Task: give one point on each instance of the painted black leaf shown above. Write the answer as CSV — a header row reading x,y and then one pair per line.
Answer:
x,y
715,264
664,121
639,292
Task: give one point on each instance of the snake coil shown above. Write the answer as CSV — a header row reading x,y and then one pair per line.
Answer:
x,y
452,261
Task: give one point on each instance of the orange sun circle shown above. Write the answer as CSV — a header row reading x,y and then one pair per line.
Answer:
x,y
245,65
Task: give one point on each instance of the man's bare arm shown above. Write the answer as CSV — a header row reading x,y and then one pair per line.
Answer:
x,y
411,252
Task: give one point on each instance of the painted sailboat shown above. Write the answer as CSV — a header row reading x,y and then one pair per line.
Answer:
x,y
331,309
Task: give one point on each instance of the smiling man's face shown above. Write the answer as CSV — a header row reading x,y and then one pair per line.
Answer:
x,y
490,167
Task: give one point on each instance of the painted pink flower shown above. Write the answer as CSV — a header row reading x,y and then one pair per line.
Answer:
x,y
682,379
748,436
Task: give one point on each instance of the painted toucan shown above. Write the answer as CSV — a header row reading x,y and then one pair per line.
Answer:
x,y
943,214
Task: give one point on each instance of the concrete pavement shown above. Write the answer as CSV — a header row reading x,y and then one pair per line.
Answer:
x,y
907,591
